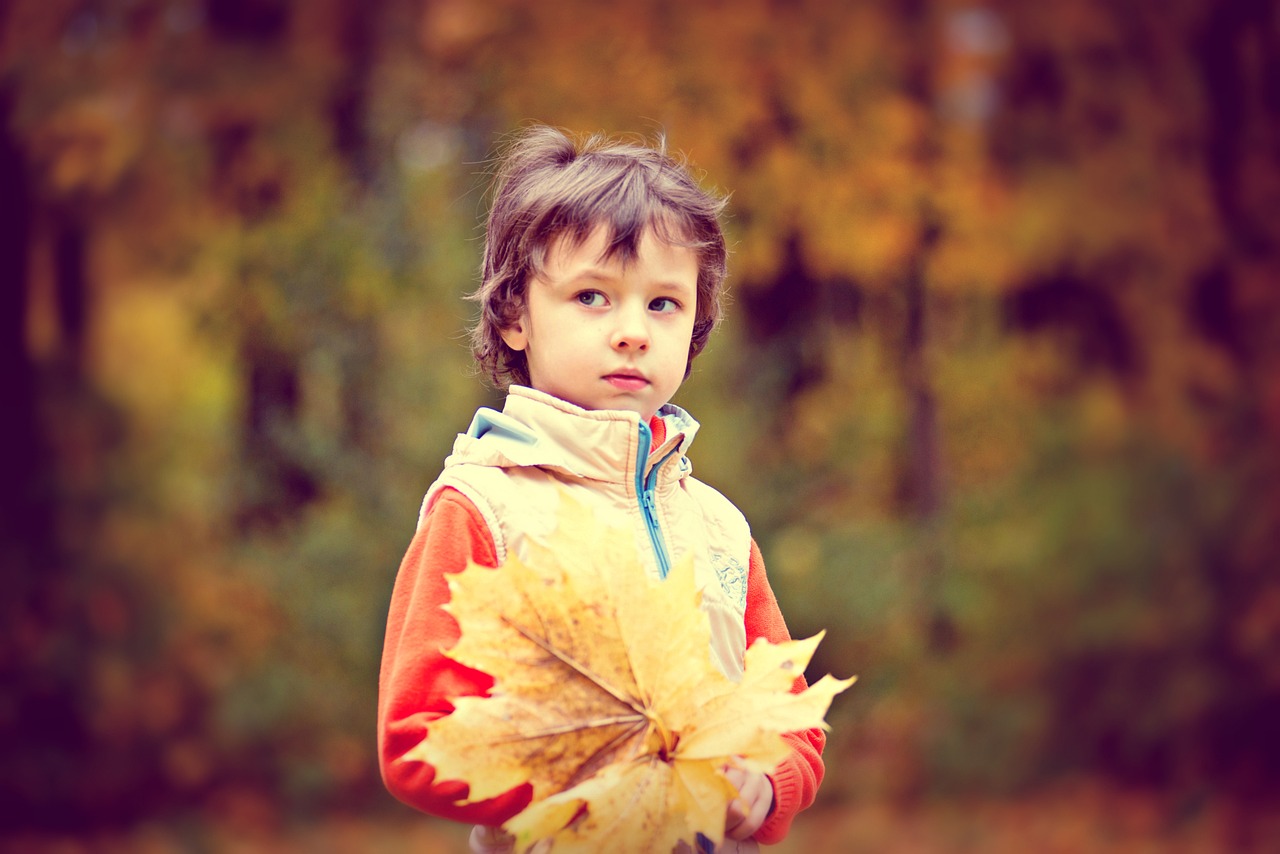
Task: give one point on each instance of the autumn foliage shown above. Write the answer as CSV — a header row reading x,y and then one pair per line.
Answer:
x,y
999,388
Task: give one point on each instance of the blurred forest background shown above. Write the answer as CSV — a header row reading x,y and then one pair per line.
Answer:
x,y
999,390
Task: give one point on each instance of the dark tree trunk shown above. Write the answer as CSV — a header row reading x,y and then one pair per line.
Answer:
x,y
278,482
349,111
921,473
1222,46
25,506
44,732
71,286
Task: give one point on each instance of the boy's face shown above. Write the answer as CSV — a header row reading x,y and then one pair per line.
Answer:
x,y
604,335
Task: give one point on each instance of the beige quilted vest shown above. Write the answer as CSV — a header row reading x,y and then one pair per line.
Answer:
x,y
515,466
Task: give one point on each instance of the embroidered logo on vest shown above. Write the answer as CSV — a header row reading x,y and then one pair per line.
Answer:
x,y
733,579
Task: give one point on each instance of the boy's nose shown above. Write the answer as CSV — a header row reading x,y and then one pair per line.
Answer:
x,y
631,332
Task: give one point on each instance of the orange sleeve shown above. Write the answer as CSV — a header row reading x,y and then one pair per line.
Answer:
x,y
416,680
796,779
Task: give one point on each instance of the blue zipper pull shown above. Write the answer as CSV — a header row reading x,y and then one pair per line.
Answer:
x,y
648,504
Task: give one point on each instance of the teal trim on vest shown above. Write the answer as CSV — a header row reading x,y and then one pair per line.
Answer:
x,y
645,487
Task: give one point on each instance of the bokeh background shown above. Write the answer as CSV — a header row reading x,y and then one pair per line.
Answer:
x,y
999,390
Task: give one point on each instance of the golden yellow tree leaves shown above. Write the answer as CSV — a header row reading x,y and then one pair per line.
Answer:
x,y
606,699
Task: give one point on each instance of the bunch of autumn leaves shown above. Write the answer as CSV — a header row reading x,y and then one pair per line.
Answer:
x,y
606,699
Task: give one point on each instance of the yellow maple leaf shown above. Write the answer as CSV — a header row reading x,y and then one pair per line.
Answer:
x,y
606,698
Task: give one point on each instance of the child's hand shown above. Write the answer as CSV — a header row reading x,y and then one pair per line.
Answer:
x,y
495,840
752,806
490,840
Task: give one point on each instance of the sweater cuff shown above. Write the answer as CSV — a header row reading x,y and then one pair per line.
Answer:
x,y
787,785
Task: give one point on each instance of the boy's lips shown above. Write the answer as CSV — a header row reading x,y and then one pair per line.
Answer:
x,y
626,380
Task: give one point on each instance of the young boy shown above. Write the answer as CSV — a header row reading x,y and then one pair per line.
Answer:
x,y
601,281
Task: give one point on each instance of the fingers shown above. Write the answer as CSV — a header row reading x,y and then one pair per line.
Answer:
x,y
748,811
490,840
738,808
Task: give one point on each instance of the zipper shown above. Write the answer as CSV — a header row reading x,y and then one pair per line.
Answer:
x,y
645,494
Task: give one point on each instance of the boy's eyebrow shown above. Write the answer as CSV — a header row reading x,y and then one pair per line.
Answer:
x,y
675,286
593,274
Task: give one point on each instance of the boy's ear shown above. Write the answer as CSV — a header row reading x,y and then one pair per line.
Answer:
x,y
514,335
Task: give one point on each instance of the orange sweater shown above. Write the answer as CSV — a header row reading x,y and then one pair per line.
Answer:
x,y
417,680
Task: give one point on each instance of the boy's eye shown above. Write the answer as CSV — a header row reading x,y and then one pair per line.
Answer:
x,y
663,304
591,299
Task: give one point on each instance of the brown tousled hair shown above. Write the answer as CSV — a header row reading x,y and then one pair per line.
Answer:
x,y
548,185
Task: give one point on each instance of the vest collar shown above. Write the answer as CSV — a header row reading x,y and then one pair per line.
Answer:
x,y
538,429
